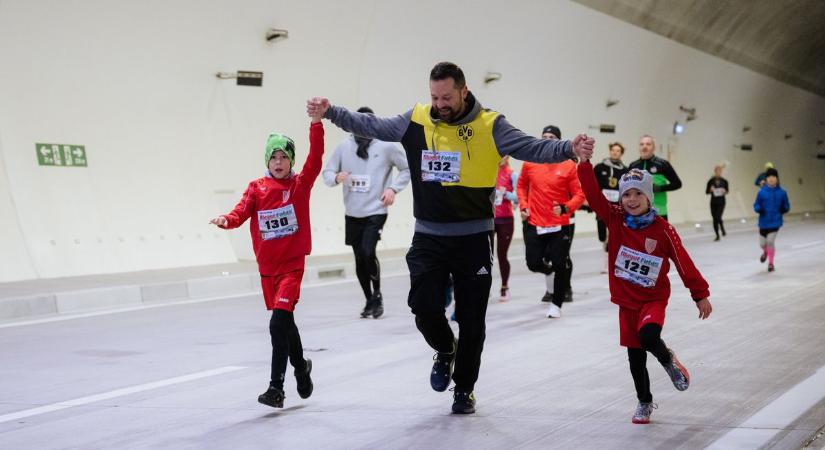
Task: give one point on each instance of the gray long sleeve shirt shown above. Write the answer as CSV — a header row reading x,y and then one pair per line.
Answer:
x,y
368,177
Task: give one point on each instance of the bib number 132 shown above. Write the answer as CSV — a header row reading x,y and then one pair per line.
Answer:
x,y
440,166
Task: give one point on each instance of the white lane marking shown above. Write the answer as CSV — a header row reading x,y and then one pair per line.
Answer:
x,y
809,244
761,427
116,393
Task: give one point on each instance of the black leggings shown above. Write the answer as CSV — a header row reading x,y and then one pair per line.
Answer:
x,y
716,211
504,235
549,253
650,337
286,343
363,234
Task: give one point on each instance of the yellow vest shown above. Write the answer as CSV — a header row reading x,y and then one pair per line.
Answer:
x,y
471,197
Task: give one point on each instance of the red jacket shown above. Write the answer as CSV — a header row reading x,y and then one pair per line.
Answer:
x,y
504,184
281,239
640,253
542,186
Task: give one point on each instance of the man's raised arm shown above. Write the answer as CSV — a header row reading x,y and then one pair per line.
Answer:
x,y
516,143
389,129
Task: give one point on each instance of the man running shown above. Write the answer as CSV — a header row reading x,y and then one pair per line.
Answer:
x,y
548,195
364,167
453,148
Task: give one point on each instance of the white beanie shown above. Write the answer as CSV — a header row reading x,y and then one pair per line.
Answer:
x,y
638,179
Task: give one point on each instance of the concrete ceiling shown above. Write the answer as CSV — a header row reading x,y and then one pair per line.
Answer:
x,y
783,39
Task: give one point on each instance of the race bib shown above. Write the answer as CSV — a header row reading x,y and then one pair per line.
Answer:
x,y
719,192
611,195
440,166
359,183
637,267
277,223
499,196
546,230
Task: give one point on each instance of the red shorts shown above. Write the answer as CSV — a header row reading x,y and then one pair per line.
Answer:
x,y
282,291
632,320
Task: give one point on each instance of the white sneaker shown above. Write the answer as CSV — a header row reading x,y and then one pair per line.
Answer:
x,y
554,312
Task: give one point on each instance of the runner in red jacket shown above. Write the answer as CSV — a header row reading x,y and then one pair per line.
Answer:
x,y
277,205
548,195
639,249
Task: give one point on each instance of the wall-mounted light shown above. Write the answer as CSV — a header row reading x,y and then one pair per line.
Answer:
x,y
243,77
611,102
490,77
820,142
274,34
746,128
746,147
678,128
788,136
603,128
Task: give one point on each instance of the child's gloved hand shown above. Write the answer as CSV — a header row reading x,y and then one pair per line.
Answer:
x,y
704,308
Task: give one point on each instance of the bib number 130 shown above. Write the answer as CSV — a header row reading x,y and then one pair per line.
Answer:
x,y
277,223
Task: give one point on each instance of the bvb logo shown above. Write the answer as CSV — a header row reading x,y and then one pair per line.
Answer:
x,y
465,132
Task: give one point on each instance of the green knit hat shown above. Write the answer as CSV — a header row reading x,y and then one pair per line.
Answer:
x,y
279,142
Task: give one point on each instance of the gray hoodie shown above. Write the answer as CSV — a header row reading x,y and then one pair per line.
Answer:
x,y
368,178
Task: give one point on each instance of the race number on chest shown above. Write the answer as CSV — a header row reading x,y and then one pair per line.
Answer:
x,y
359,183
637,267
440,166
277,223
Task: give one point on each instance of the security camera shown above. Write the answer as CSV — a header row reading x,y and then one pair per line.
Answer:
x,y
272,34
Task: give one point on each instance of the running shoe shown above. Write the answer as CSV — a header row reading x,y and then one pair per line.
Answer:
x,y
677,372
643,411
273,397
464,402
367,309
377,305
554,312
771,268
442,370
303,380
548,297
763,257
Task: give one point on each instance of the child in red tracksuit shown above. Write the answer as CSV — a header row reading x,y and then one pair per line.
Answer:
x,y
278,206
640,245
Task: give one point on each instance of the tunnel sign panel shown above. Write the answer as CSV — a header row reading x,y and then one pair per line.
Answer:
x,y
66,155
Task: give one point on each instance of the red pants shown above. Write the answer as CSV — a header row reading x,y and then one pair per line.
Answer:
x,y
282,291
632,320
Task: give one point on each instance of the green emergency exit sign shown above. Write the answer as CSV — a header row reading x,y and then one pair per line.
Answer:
x,y
66,155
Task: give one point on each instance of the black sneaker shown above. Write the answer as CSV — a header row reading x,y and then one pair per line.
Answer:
x,y
771,268
273,397
303,381
367,309
548,297
377,305
464,402
442,370
763,257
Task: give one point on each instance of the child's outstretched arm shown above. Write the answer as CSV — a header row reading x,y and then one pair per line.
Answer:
x,y
241,212
699,289
312,166
598,203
